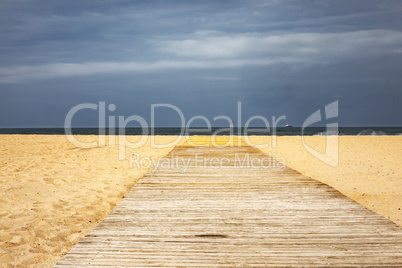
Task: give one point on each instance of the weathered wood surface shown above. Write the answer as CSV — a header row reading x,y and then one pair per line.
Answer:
x,y
239,215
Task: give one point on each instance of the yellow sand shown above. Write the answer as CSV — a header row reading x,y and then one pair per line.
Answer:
x,y
53,194
369,169
217,141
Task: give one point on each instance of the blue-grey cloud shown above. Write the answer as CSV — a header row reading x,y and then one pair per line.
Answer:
x,y
277,57
210,50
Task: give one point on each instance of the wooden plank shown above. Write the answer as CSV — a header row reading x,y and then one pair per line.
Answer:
x,y
237,215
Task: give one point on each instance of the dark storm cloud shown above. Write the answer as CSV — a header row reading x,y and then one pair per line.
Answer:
x,y
277,57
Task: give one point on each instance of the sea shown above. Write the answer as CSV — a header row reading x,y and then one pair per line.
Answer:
x,y
279,131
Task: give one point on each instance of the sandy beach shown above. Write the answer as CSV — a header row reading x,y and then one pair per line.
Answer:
x,y
54,193
369,169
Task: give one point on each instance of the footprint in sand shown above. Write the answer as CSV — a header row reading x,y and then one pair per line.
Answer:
x,y
49,180
16,240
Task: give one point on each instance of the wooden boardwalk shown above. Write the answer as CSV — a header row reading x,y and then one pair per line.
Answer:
x,y
188,212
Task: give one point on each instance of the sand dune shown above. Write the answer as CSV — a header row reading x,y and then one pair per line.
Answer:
x,y
53,193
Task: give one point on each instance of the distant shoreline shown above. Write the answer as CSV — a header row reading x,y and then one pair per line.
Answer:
x,y
219,131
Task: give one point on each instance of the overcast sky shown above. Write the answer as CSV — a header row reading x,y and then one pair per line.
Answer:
x,y
278,58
